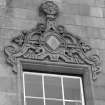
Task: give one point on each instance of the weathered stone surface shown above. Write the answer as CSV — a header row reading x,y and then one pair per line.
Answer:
x,y
99,92
5,70
90,21
6,33
73,8
76,9
100,102
16,23
83,21
101,81
91,32
89,2
8,99
76,30
96,11
9,84
97,43
84,18
2,3
3,43
32,4
100,3
102,33
84,10
102,55
21,13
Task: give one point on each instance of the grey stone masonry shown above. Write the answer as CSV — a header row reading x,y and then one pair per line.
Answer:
x,y
84,18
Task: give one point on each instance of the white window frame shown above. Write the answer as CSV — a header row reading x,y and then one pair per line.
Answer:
x,y
71,69
53,75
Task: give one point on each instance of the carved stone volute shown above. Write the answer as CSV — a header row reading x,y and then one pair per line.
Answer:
x,y
51,42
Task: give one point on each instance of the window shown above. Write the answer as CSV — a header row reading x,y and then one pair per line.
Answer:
x,y
51,89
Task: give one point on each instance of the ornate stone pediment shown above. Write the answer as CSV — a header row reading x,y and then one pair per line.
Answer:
x,y
52,43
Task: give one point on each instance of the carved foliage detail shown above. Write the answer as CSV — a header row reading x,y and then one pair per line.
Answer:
x,y
49,42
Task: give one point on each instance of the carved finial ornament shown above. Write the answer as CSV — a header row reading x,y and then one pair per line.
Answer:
x,y
49,42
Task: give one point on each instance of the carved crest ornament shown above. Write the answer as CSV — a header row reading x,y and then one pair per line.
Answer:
x,y
52,43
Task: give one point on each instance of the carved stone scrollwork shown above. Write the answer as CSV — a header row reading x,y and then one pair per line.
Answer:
x,y
49,42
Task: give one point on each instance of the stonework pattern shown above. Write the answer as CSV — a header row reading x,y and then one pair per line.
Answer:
x,y
84,18
54,42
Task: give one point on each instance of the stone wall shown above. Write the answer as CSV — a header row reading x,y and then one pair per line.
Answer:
x,y
84,18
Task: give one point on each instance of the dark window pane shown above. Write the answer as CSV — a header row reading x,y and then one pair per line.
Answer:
x,y
72,89
53,87
53,102
73,103
33,85
33,101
